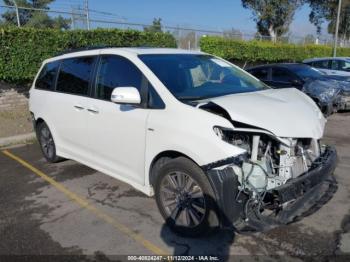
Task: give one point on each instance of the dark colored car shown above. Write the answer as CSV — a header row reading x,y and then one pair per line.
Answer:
x,y
331,93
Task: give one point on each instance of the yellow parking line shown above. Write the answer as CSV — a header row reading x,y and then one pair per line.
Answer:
x,y
85,204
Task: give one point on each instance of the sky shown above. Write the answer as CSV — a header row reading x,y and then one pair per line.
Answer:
x,y
205,14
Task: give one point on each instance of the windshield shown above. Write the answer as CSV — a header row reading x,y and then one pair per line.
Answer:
x,y
306,72
196,77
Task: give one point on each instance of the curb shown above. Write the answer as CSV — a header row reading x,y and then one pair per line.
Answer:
x,y
12,140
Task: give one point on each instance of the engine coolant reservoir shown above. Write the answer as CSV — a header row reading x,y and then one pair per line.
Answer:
x,y
255,175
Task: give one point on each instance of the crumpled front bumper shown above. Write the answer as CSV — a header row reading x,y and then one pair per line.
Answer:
x,y
308,191
295,199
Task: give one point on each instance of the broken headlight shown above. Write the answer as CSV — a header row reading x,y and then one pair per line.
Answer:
x,y
222,132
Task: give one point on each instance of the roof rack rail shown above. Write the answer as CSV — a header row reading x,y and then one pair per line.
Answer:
x,y
87,48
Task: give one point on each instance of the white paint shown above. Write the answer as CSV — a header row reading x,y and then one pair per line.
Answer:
x,y
122,141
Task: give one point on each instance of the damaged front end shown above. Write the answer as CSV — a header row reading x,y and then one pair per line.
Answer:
x,y
344,103
277,181
330,95
326,94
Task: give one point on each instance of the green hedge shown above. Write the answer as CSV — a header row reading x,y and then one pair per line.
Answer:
x,y
23,49
263,51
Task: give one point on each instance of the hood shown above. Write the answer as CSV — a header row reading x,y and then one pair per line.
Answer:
x,y
284,112
325,91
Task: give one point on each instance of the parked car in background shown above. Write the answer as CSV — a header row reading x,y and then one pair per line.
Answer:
x,y
213,144
338,66
329,92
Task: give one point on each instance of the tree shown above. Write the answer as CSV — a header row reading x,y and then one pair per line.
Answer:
x,y
38,19
272,17
155,27
309,39
326,11
189,41
42,20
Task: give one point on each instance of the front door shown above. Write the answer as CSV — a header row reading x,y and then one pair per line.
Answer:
x,y
117,132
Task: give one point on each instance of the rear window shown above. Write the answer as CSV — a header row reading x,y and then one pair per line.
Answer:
x,y
75,75
47,76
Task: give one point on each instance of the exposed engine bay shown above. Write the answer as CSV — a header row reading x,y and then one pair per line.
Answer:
x,y
268,173
270,163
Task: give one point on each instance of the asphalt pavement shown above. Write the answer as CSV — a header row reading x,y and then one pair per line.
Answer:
x,y
67,210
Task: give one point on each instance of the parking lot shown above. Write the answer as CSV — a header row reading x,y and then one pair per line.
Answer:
x,y
70,209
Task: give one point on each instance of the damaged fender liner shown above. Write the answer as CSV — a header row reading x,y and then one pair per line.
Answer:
x,y
305,194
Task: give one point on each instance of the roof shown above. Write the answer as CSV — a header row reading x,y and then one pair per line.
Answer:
x,y
325,58
134,50
94,50
148,50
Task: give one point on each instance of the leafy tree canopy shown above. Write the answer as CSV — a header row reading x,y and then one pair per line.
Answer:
x,y
272,17
32,18
155,27
326,11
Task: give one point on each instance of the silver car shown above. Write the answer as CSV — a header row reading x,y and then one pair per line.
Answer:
x,y
337,66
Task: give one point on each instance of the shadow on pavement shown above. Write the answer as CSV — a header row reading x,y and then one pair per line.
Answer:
x,y
217,243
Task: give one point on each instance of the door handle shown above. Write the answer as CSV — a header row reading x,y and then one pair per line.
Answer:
x,y
93,110
79,107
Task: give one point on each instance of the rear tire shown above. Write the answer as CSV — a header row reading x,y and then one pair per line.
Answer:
x,y
185,198
47,144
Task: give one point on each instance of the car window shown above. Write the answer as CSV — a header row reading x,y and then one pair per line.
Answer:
x,y
154,100
261,73
334,65
281,75
115,71
47,76
343,65
321,64
74,75
191,77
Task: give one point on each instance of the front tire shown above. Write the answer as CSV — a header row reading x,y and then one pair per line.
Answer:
x,y
47,144
185,198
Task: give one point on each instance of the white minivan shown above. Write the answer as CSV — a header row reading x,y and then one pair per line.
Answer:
x,y
213,144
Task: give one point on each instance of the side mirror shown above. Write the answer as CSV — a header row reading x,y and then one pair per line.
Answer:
x,y
126,95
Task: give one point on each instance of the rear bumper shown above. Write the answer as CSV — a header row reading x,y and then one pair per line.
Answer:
x,y
297,198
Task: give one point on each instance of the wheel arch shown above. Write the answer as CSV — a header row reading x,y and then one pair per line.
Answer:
x,y
39,121
160,159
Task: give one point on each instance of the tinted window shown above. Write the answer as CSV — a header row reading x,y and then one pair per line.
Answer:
x,y
260,73
334,65
341,65
154,100
305,72
321,64
74,75
115,71
281,75
47,76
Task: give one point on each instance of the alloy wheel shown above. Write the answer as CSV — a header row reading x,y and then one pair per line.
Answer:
x,y
46,142
182,199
